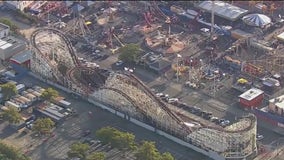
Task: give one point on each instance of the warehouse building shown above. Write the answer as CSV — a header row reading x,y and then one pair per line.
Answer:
x,y
9,46
251,98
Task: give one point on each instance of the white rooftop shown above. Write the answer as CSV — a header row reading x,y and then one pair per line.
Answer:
x,y
251,94
279,101
223,9
4,44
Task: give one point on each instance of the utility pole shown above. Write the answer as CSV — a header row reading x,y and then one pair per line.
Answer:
x,y
212,19
177,68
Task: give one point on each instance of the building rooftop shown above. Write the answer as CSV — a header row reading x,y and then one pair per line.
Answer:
x,y
3,26
278,101
22,57
251,94
160,64
9,41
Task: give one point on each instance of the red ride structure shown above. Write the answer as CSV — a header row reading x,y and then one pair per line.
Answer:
x,y
148,18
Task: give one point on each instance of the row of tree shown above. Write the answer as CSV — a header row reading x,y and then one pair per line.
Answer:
x,y
116,138
9,90
79,150
123,141
10,153
14,28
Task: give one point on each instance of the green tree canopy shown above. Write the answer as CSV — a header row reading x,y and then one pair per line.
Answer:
x,y
78,150
96,156
129,52
12,115
8,90
43,125
10,153
147,151
9,23
49,94
118,139
167,156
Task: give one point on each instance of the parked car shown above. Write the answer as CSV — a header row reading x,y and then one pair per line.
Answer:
x,y
172,100
119,63
97,56
159,94
86,133
214,119
259,137
225,123
104,57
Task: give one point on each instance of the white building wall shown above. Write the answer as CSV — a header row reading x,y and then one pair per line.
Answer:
x,y
4,32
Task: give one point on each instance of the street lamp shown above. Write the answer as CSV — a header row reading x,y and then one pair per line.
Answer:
x,y
189,70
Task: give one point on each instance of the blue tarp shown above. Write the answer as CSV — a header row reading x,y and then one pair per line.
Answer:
x,y
166,10
77,8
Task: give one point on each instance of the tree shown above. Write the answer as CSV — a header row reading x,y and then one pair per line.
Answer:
x,y
12,115
12,26
147,151
167,156
10,153
105,134
96,156
116,138
49,94
43,125
78,150
8,90
123,140
129,52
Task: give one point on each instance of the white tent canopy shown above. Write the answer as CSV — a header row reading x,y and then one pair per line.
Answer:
x,y
257,20
224,10
281,36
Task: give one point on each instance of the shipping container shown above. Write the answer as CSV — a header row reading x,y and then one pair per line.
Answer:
x,y
11,104
26,100
30,97
20,87
64,103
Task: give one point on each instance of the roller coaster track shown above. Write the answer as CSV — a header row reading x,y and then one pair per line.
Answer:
x,y
127,98
70,76
61,35
147,91
174,116
158,10
141,85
